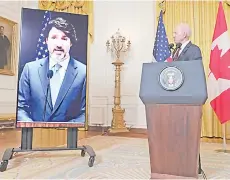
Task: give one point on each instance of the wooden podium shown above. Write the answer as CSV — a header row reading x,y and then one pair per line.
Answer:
x,y
173,96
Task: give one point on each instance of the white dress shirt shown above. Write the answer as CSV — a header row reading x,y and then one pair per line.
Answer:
x,y
183,46
56,81
63,69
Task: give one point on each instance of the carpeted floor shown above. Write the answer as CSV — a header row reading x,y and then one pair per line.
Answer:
x,y
117,158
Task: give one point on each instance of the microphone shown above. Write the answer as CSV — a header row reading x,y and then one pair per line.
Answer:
x,y
178,45
171,46
49,76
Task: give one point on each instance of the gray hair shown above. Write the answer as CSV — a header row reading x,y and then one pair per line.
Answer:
x,y
186,29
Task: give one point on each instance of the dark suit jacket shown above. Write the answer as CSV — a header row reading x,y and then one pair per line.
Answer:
x,y
4,46
190,52
70,103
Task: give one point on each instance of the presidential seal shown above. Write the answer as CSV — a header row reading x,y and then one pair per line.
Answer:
x,y
171,78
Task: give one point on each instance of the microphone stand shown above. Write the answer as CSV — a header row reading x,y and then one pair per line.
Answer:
x,y
47,91
49,76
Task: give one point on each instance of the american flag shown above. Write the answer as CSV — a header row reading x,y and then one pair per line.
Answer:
x,y
42,50
161,51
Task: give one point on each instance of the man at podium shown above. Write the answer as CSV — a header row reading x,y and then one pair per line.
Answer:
x,y
174,107
185,50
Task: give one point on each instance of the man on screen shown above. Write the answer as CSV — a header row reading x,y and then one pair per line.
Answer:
x,y
186,50
67,93
4,47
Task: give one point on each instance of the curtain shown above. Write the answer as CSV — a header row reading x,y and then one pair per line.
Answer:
x,y
75,6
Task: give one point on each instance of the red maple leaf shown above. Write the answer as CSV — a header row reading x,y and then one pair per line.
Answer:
x,y
221,106
219,66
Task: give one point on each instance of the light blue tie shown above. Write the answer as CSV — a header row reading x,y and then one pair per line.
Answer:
x,y
55,83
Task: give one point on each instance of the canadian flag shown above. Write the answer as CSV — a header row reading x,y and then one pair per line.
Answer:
x,y
219,76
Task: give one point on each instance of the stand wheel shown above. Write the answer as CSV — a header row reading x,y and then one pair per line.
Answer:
x,y
91,161
83,153
3,165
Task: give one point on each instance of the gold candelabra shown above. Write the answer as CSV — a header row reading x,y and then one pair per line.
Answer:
x,y
117,46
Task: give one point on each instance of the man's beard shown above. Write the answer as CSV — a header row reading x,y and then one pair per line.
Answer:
x,y
59,58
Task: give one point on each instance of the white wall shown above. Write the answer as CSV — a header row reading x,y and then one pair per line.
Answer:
x,y
136,20
8,86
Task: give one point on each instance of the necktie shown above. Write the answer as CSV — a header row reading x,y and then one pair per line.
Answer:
x,y
176,55
55,83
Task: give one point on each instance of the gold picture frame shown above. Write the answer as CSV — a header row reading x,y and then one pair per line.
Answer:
x,y
11,32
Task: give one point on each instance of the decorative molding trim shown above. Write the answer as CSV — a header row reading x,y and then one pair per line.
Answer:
x,y
94,100
105,128
130,115
99,119
8,89
129,99
97,104
7,124
7,117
